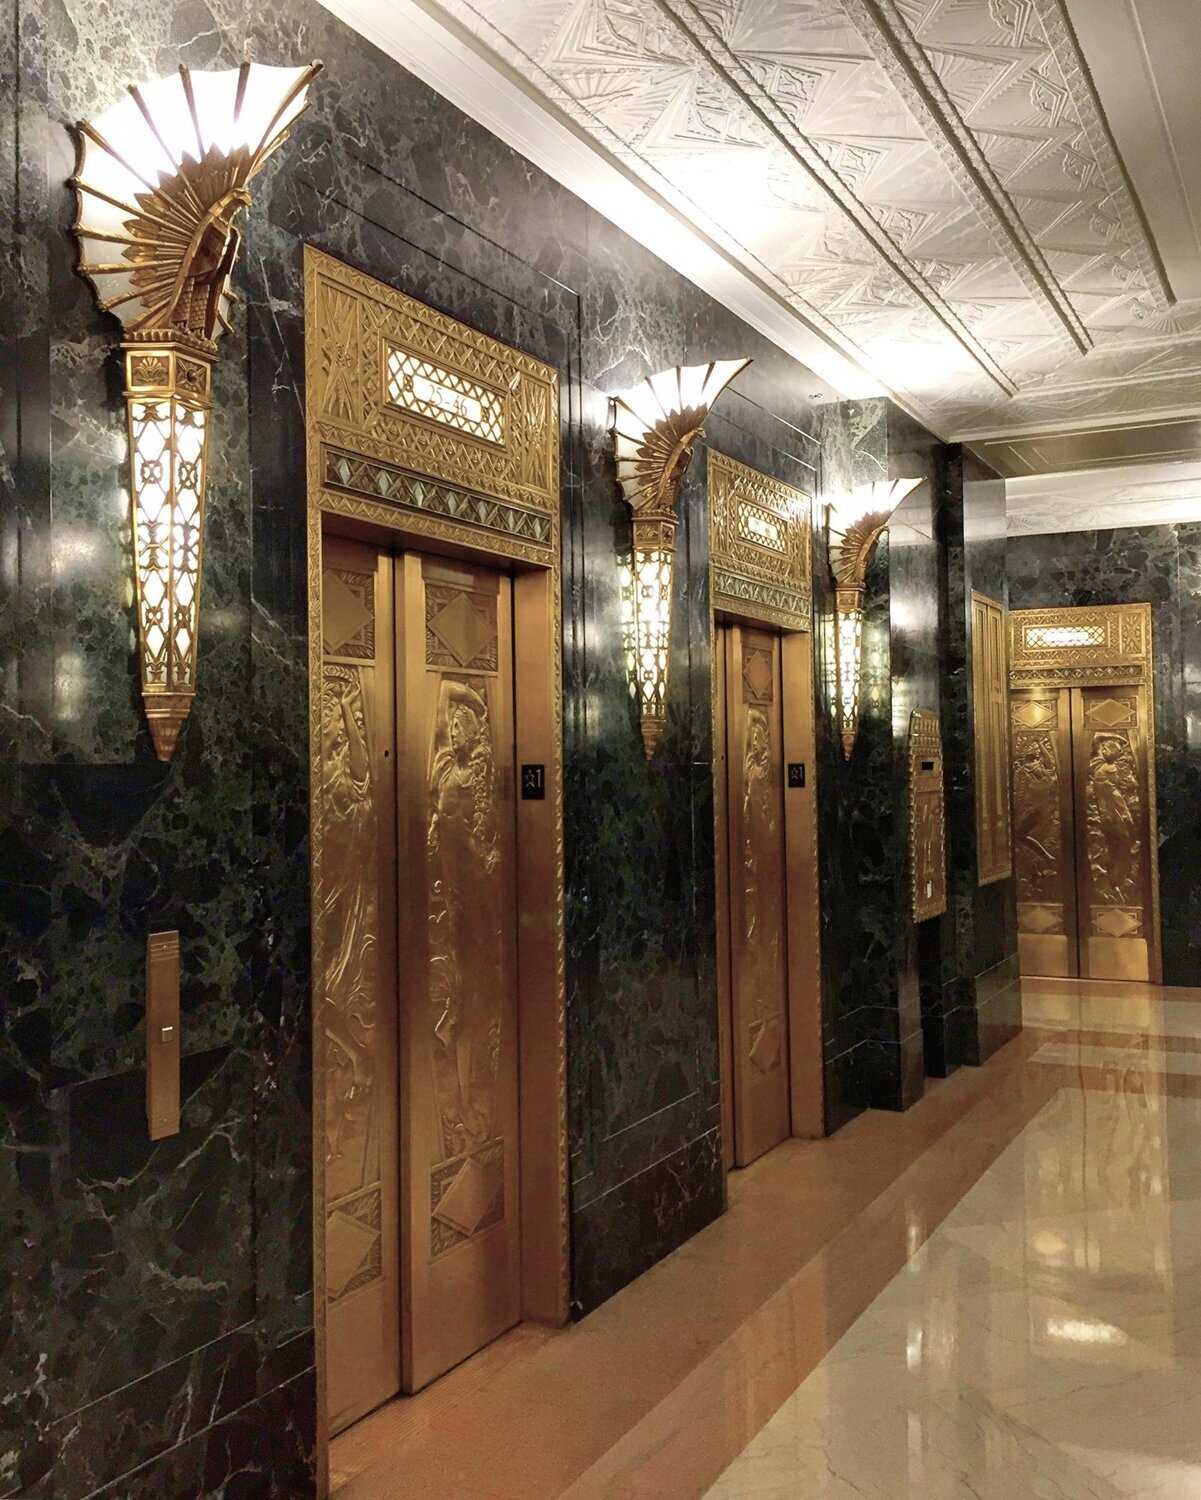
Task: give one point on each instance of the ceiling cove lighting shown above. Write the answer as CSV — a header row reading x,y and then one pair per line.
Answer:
x,y
855,521
160,179
655,426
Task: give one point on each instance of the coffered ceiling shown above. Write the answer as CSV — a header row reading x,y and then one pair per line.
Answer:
x,y
945,199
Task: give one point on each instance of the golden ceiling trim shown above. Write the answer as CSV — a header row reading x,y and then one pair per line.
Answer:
x,y
927,817
1084,645
760,552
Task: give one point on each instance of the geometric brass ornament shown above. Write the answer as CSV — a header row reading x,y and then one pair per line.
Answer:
x,y
927,817
990,723
1080,646
759,545
160,179
655,427
855,520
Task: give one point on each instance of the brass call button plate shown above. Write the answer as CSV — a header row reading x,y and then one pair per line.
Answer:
x,y
162,1034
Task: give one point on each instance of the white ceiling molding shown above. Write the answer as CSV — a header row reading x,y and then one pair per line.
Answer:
x,y
1101,500
1142,55
433,47
883,27
1061,35
918,197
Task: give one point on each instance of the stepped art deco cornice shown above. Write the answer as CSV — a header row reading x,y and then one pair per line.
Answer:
x,y
930,187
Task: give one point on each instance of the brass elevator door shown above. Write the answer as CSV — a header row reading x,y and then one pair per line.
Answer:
x,y
750,707
460,1232
355,898
417,900
1082,832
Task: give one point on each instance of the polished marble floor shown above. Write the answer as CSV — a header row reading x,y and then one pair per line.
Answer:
x,y
996,1294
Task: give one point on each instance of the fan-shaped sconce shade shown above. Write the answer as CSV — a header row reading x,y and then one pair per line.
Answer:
x,y
855,521
655,426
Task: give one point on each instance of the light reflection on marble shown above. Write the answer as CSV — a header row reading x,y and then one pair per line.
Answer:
x,y
1136,1010
1044,1341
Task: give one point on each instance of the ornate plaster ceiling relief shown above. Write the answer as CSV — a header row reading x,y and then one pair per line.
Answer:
x,y
1128,495
930,185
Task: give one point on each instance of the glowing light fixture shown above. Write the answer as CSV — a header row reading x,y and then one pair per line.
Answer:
x,y
655,426
854,523
160,180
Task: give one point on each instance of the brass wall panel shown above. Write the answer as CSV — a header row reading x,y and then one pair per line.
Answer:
x,y
163,1042
990,714
927,817
721,814
1113,853
1044,831
759,545
358,1016
758,905
460,1145
806,1070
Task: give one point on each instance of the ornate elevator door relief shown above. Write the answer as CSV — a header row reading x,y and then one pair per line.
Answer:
x,y
459,1136
1043,831
1084,814
355,902
758,908
1113,860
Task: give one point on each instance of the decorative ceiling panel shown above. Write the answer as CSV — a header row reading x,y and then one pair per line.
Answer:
x,y
930,183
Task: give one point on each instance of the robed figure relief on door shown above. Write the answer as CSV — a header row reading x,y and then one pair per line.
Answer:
x,y
1114,817
763,915
356,998
349,904
465,919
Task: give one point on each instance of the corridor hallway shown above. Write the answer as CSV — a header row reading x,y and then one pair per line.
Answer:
x,y
995,1294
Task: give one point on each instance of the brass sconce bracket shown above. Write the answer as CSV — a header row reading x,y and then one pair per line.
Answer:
x,y
854,524
160,179
655,427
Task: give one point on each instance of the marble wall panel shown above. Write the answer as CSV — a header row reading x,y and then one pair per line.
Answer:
x,y
1136,565
872,1010
166,1290
979,930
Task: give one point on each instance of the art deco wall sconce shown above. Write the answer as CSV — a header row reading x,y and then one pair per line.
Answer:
x,y
161,178
854,523
655,426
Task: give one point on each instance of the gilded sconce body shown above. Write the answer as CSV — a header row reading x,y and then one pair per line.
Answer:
x,y
160,180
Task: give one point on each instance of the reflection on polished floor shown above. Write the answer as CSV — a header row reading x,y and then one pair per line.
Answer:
x,y
997,1294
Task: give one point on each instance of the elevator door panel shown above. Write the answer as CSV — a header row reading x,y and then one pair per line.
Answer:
x,y
1113,864
1043,831
459,1158
1082,843
758,953
355,910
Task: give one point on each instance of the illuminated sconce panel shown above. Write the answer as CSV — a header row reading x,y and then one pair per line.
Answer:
x,y
856,520
160,180
655,427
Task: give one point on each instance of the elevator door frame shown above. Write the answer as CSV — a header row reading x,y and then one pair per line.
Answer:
x,y
806,1078
1118,655
345,502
